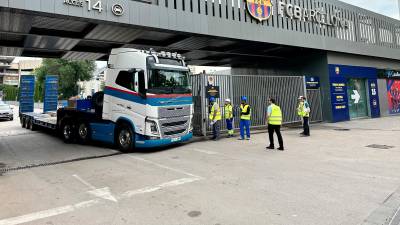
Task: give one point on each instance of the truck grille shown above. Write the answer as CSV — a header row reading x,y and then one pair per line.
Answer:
x,y
175,132
173,111
174,126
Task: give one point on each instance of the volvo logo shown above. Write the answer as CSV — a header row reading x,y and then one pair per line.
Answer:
x,y
117,9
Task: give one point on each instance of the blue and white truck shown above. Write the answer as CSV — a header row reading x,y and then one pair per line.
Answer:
x,y
147,102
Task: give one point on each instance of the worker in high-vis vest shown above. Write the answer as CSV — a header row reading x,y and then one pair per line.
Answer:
x,y
245,119
215,118
228,110
274,121
303,110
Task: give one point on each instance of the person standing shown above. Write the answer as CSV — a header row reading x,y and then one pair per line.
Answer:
x,y
303,110
274,121
228,109
245,116
215,118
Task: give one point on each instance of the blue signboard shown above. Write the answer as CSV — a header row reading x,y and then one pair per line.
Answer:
x,y
338,76
339,99
26,93
374,98
312,83
50,93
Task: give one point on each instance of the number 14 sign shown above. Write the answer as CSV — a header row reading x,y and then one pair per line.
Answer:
x,y
95,5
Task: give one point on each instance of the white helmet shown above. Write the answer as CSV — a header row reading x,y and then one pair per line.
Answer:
x,y
227,100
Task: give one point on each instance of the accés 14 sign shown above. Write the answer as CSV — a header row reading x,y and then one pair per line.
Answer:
x,y
117,9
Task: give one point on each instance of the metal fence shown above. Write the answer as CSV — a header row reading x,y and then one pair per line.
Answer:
x,y
314,99
285,89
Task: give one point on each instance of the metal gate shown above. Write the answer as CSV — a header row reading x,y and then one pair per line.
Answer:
x,y
314,98
285,89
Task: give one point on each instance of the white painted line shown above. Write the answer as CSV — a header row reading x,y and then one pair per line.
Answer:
x,y
48,213
206,151
164,167
159,187
84,182
103,193
391,221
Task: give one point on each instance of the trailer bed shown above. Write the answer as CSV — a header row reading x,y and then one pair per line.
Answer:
x,y
48,120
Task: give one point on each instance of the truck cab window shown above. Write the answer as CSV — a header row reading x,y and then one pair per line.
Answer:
x,y
127,80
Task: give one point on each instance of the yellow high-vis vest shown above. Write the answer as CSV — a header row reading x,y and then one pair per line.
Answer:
x,y
243,110
276,115
228,111
215,108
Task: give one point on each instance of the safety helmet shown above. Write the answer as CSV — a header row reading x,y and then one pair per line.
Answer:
x,y
212,99
244,98
227,100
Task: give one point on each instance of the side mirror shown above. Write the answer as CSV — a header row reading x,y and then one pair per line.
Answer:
x,y
142,84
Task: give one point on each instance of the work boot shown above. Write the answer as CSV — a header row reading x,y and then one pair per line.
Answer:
x,y
281,149
271,147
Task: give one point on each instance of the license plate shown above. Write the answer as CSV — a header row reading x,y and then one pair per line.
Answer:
x,y
176,139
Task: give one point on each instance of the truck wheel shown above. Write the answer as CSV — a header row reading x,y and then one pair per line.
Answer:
x,y
83,132
67,132
125,138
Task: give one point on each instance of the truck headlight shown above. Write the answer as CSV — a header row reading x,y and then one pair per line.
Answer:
x,y
191,125
152,126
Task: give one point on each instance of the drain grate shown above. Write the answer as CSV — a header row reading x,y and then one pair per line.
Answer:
x,y
4,169
379,146
342,129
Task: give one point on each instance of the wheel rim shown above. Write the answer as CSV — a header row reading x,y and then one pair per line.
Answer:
x,y
67,131
83,131
125,138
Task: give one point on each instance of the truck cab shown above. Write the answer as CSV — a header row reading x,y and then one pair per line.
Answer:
x,y
147,98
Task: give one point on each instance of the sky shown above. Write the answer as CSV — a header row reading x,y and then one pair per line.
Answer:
x,y
385,7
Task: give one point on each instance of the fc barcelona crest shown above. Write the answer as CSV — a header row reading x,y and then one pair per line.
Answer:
x,y
259,9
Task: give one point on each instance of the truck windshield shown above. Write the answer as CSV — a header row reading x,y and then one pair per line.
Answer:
x,y
168,82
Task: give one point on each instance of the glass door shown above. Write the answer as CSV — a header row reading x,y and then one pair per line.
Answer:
x,y
357,95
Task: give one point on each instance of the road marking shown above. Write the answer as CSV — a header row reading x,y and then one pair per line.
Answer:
x,y
206,151
394,217
103,193
100,194
48,213
164,167
160,186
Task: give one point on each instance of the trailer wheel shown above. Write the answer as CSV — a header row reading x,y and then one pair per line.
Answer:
x,y
67,132
23,122
28,124
32,126
125,138
83,132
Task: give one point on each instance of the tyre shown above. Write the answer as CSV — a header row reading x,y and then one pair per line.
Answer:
x,y
23,122
67,132
83,132
125,138
32,126
97,103
11,118
29,124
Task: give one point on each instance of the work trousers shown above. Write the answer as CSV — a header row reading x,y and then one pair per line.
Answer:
x,y
244,124
306,126
277,130
229,126
216,129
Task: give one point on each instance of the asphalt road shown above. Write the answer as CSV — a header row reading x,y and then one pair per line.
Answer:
x,y
329,178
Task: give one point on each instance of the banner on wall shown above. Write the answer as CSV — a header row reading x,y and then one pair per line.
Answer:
x,y
393,88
